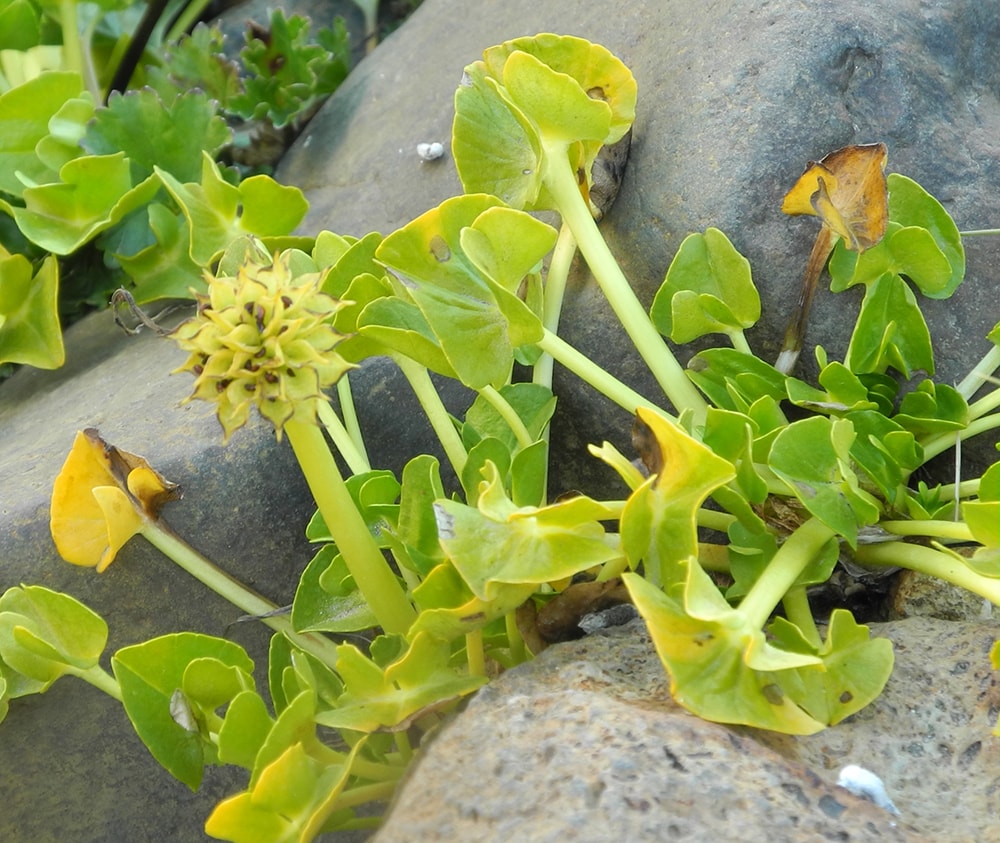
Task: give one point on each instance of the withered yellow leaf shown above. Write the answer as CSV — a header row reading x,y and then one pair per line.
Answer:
x,y
101,498
847,191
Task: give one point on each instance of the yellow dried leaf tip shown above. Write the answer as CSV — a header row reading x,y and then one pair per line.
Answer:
x,y
264,339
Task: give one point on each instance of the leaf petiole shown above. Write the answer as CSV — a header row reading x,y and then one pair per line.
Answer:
x,y
561,183
187,558
799,549
926,560
374,578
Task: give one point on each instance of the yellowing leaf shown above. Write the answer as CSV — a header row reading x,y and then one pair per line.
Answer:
x,y
121,521
847,191
101,498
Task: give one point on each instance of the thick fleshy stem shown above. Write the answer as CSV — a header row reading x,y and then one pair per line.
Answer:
x,y
372,574
778,578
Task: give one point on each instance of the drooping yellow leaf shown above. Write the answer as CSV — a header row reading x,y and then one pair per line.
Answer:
x,y
101,498
847,191
121,521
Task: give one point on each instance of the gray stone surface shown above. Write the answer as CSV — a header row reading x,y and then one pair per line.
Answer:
x,y
734,98
585,744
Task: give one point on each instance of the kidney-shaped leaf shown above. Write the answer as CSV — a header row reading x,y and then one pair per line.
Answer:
x,y
151,673
44,633
708,289
30,332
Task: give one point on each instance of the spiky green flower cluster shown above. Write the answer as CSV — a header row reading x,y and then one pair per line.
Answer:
x,y
264,339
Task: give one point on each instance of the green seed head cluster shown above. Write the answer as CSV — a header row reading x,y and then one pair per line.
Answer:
x,y
263,339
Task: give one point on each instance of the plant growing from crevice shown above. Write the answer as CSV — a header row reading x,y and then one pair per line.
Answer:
x,y
753,483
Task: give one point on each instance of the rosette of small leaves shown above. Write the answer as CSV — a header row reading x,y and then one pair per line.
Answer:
x,y
263,338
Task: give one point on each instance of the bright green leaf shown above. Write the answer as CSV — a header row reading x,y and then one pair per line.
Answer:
x,y
244,729
219,212
854,669
813,457
658,524
327,599
149,674
385,697
30,331
890,331
497,543
94,193
164,270
933,408
25,111
45,634
721,668
20,25
708,289
153,135
911,205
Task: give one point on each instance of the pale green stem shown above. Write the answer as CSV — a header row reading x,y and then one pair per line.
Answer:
x,y
350,414
926,560
965,489
985,405
560,181
188,17
372,574
585,368
378,792
714,520
187,558
474,654
375,771
72,48
518,652
796,606
980,373
740,343
99,678
508,414
941,442
438,416
403,746
979,232
555,291
799,549
356,460
957,530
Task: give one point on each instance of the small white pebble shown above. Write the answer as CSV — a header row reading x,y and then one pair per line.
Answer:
x,y
430,151
865,783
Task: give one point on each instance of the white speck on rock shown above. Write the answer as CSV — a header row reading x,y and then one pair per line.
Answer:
x,y
430,151
865,783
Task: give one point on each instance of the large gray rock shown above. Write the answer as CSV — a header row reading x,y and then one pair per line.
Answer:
x,y
734,98
585,744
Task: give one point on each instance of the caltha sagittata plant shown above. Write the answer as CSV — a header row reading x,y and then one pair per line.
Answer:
x,y
784,477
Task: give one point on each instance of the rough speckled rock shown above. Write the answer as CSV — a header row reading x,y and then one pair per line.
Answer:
x,y
735,96
585,744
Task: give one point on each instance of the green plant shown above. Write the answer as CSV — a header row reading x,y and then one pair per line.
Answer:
x,y
126,187
458,579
